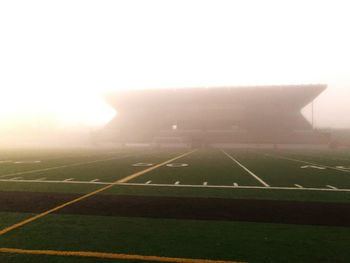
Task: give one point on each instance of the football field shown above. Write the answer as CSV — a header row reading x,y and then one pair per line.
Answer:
x,y
174,205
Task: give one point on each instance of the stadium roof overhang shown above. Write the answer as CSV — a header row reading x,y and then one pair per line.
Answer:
x,y
254,108
294,96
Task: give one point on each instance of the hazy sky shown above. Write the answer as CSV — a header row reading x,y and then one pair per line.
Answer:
x,y
58,57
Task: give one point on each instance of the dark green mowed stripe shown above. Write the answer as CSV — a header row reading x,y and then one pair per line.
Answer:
x,y
250,242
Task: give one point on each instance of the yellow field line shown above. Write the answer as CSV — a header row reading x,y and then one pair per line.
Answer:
x,y
128,178
110,256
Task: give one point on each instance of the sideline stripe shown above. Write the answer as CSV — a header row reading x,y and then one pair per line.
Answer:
x,y
124,180
64,166
246,169
110,256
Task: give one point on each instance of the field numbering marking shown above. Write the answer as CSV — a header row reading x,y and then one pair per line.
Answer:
x,y
177,165
313,165
342,167
123,180
143,164
246,169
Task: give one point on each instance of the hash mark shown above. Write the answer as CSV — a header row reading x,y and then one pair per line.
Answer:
x,y
331,186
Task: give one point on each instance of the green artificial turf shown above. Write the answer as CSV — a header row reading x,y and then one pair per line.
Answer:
x,y
281,172
14,258
210,166
8,219
252,242
264,194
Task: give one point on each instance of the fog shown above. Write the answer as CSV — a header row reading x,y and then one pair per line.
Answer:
x,y
59,59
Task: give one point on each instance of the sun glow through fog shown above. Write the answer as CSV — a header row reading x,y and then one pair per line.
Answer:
x,y
88,110
63,108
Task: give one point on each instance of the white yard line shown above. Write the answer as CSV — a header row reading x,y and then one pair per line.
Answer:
x,y
95,180
69,179
40,179
180,185
16,178
306,162
63,166
246,169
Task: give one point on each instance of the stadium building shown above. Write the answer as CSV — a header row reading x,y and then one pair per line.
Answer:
x,y
218,115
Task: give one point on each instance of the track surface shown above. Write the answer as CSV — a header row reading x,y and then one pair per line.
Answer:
x,y
269,211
